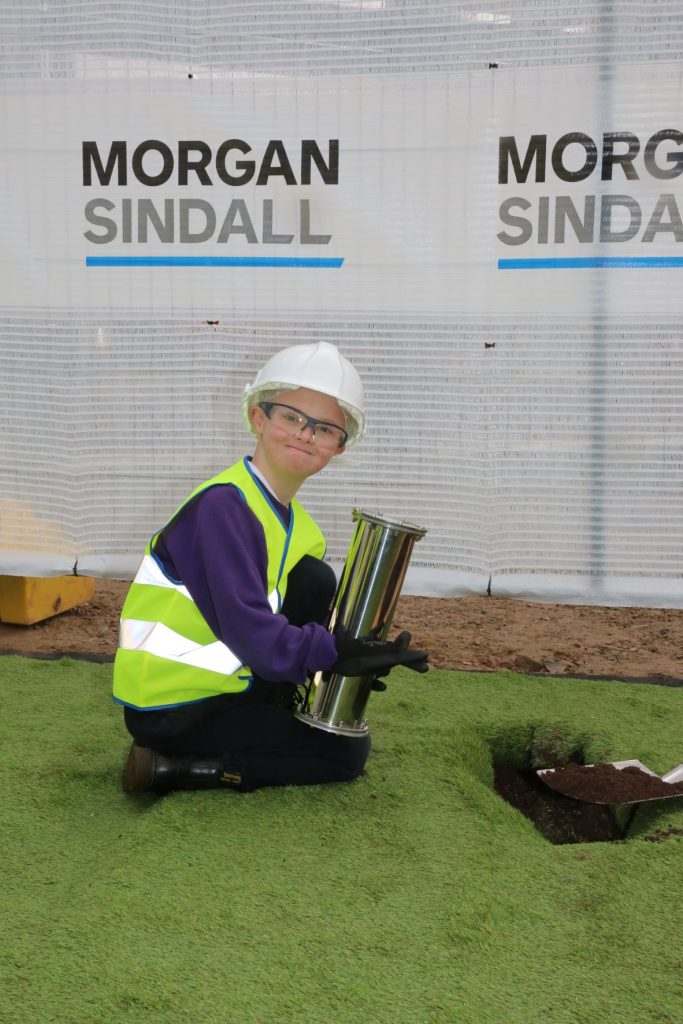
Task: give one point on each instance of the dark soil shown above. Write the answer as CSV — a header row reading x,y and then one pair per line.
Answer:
x,y
605,784
659,835
578,803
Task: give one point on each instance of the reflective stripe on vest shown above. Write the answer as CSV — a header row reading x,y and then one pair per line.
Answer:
x,y
155,638
158,639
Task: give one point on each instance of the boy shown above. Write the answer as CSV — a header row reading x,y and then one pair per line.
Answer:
x,y
224,617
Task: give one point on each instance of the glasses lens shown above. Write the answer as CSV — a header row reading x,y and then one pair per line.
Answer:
x,y
327,436
287,419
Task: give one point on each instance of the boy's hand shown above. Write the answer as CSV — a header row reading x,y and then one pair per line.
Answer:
x,y
362,656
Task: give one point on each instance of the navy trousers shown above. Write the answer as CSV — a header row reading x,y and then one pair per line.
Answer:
x,y
255,732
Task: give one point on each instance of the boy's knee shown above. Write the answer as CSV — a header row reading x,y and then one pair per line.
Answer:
x,y
310,588
351,756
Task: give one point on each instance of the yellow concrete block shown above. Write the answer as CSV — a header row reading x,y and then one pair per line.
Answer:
x,y
28,599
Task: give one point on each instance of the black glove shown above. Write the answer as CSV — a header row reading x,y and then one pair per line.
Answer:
x,y
360,656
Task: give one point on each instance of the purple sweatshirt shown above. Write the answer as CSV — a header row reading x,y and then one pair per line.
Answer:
x,y
217,548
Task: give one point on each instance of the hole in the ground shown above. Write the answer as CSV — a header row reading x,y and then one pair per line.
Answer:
x,y
559,818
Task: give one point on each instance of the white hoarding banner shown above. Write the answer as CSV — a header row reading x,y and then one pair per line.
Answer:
x,y
498,251
416,193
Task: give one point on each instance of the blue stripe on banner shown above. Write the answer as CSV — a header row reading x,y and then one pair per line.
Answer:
x,y
572,263
213,261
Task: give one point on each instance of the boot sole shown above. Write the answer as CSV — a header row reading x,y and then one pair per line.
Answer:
x,y
139,770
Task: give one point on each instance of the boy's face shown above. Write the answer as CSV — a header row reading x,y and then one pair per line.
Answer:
x,y
296,456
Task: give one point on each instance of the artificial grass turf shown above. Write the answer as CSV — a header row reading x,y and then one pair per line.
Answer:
x,y
412,896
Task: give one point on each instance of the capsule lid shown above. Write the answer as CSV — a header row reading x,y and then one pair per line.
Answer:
x,y
393,524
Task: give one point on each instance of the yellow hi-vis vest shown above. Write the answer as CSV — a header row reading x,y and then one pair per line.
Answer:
x,y
168,654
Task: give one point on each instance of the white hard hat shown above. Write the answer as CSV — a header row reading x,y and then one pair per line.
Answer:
x,y
320,367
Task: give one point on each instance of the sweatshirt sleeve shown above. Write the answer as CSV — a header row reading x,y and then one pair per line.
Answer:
x,y
217,548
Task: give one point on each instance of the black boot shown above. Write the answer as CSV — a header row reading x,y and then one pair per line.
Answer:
x,y
148,771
